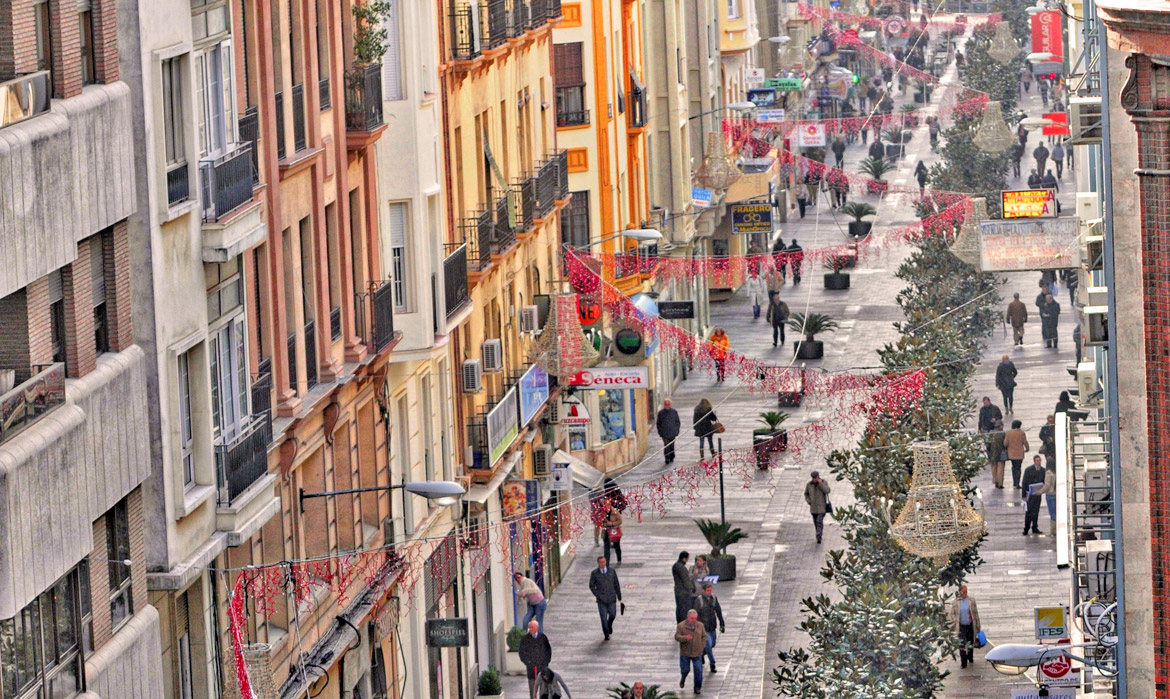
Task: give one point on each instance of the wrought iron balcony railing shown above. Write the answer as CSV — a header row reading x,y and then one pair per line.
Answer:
x,y
178,184
455,288
363,98
468,22
243,460
376,316
477,231
226,182
579,117
249,130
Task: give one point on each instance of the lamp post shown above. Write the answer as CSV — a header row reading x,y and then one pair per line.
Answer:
x,y
443,493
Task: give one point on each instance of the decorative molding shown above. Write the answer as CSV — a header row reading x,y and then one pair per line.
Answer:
x,y
578,159
1129,92
571,15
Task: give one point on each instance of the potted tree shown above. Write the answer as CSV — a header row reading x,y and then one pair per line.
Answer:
x,y
836,280
858,210
489,684
512,664
876,169
810,325
720,535
895,138
652,691
769,439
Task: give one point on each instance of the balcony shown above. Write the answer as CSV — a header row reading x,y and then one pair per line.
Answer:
x,y
552,183
499,17
636,104
32,400
579,117
178,184
455,286
324,94
243,459
537,13
311,353
553,9
504,235
363,103
226,183
298,105
526,190
249,130
24,97
376,316
467,23
477,232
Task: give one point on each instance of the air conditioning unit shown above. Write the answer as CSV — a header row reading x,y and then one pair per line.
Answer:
x,y
1084,120
542,460
1093,250
1088,206
492,352
1095,325
553,413
529,319
1088,386
472,376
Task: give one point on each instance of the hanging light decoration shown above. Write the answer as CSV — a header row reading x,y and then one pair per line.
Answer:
x,y
937,520
718,170
258,660
993,134
563,350
966,244
1003,46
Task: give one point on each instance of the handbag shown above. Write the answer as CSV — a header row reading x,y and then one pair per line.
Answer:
x,y
1003,456
980,639
828,506
719,428
615,534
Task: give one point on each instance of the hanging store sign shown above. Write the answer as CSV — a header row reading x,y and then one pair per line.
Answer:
x,y
447,633
676,310
1029,203
1059,672
502,426
1059,125
770,116
751,218
1051,623
612,377
783,84
762,97
753,76
574,413
588,310
811,136
700,198
1029,244
1046,35
533,392
560,478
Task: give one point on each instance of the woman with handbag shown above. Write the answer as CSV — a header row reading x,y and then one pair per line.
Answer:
x,y
613,533
706,425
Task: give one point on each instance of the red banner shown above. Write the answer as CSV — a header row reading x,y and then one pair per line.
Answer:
x,y
1046,34
1059,125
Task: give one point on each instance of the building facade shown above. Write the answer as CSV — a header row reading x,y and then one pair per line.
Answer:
x,y
74,614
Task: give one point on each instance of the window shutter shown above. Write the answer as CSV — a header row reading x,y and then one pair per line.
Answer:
x,y
398,225
56,287
229,97
200,101
392,60
97,270
567,66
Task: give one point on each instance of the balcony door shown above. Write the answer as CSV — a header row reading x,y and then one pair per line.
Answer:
x,y
229,380
214,99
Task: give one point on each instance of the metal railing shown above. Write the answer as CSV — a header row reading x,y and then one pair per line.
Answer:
x,y
478,441
526,191
262,388
467,30
561,158
546,188
578,117
31,400
249,128
280,148
455,287
518,19
363,98
376,316
243,460
226,182
537,13
178,184
505,235
324,93
498,20
477,233
298,98
553,9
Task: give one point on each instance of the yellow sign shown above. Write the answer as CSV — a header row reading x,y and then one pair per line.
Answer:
x,y
1051,623
1029,203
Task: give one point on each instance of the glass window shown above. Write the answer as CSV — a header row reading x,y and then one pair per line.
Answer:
x,y
229,382
398,256
57,315
214,99
39,651
611,414
97,275
732,9
185,430
85,20
118,550
172,94
44,39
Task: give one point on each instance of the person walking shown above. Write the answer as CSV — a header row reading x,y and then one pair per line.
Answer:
x,y
1048,438
1022,135
1064,403
965,618
796,257
1034,180
1026,76
1041,155
988,414
839,152
709,611
684,586
527,589
1058,159
996,455
1044,91
802,197
720,344
933,130
704,421
692,640
668,425
1076,340
547,683
920,174
1005,381
535,653
1017,156
778,314
1017,316
1048,181
757,292
613,533
607,591
780,260
1049,319
877,149
816,494
1033,476
1016,444
1048,490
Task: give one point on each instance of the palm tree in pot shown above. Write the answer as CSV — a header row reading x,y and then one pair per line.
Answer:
x,y
836,280
858,210
769,439
876,169
720,535
810,325
650,691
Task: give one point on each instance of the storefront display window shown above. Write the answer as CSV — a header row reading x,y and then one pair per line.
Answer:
x,y
611,414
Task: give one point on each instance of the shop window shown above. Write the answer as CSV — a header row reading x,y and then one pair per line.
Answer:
x,y
611,414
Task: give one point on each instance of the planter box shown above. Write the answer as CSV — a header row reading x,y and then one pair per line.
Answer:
x,y
767,444
789,399
860,229
512,664
893,151
836,281
809,350
723,566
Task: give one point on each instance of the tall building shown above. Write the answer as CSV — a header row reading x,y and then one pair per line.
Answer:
x,y
74,615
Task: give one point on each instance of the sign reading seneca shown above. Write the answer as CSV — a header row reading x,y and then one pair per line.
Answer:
x,y
1023,244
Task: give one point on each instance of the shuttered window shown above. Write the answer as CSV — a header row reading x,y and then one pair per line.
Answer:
x,y
398,256
392,59
567,66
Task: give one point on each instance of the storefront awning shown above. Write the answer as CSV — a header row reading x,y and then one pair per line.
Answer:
x,y
583,473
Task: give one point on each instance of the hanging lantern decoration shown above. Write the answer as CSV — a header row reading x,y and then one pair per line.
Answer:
x,y
993,134
563,350
718,170
966,244
1003,46
937,520
262,681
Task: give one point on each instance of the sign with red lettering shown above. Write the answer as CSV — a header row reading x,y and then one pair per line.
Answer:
x,y
1046,35
588,310
612,377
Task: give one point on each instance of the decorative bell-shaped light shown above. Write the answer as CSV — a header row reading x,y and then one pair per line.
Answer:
x,y
718,170
937,520
966,244
993,134
1003,46
563,350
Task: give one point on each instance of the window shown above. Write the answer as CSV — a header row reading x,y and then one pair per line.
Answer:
x,y
392,88
575,221
227,348
118,550
85,20
43,37
183,621
97,274
733,9
398,259
57,315
209,18
569,81
185,431
612,411
40,647
214,99
172,94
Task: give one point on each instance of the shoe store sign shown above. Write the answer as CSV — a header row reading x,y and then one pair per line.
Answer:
x,y
612,377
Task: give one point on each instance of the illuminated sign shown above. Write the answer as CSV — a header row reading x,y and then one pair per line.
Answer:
x,y
1029,244
1029,203
751,218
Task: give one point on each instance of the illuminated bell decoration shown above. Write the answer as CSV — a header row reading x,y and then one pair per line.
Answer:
x,y
937,520
1003,46
993,134
966,243
718,170
563,350
258,660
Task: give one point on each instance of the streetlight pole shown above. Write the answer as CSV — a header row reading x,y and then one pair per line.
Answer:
x,y
722,503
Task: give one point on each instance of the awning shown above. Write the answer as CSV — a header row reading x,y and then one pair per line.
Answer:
x,y
583,473
648,307
479,494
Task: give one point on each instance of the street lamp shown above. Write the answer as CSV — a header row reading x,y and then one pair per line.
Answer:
x,y
641,235
1018,658
443,493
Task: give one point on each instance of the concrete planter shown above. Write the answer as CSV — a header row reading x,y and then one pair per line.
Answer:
x,y
512,664
723,566
836,281
806,349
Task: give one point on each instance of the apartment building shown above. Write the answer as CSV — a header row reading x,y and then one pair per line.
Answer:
x,y
74,616
506,190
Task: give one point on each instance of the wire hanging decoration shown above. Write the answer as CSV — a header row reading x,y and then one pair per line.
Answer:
x,y
718,170
563,350
937,520
1003,46
993,135
966,243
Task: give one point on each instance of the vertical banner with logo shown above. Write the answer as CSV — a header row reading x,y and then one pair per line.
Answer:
x,y
1046,35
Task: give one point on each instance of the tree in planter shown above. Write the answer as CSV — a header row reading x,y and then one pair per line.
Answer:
x,y
770,438
837,280
489,684
876,169
369,39
652,691
810,325
858,210
513,638
720,535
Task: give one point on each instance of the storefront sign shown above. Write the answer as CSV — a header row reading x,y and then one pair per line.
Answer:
x,y
762,97
560,478
810,136
1029,244
783,84
588,310
676,310
533,392
1053,693
574,413
770,116
751,218
753,77
1046,35
612,377
1029,203
447,633
700,198
1051,623
1059,672
502,426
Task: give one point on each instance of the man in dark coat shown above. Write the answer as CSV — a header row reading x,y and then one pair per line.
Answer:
x,y
710,611
1005,381
796,257
684,586
1041,156
1048,181
535,653
1034,474
1034,180
1049,318
603,583
877,149
839,151
1017,316
988,414
816,494
1048,438
668,425
778,314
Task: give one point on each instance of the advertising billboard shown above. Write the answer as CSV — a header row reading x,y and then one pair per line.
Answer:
x,y
1029,244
